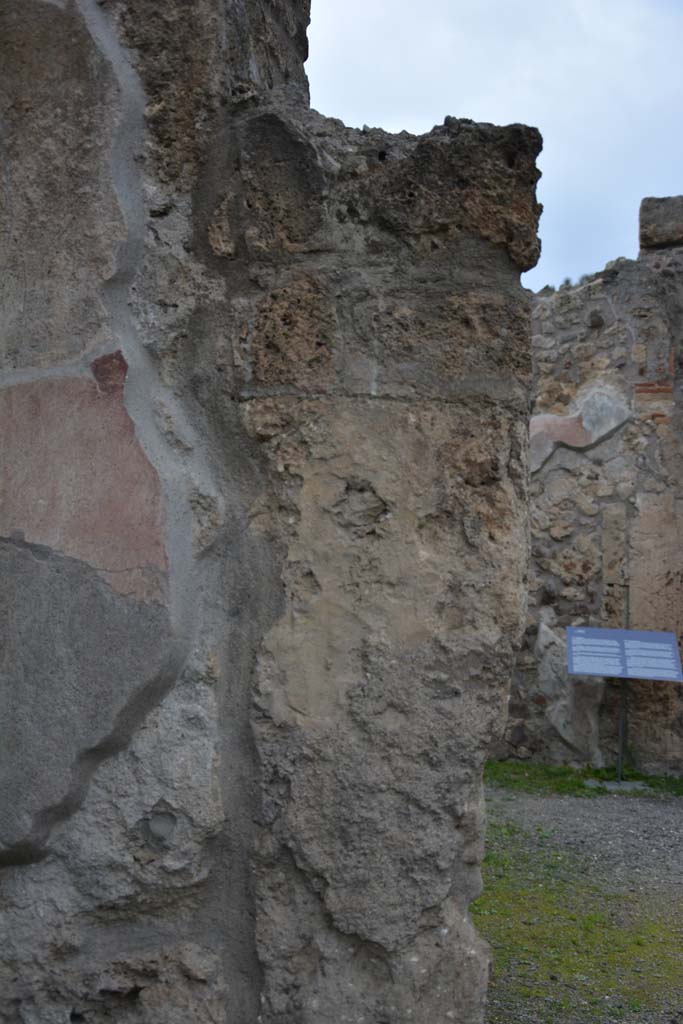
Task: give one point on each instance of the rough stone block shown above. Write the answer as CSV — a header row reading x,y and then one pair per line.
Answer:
x,y
661,222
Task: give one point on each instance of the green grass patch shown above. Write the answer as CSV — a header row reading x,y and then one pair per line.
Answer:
x,y
563,948
529,777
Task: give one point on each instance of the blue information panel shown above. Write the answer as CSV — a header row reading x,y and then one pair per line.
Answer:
x,y
624,653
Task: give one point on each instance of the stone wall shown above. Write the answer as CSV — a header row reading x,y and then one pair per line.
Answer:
x,y
264,392
606,499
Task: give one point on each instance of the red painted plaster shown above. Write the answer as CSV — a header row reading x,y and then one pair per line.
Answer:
x,y
110,371
74,477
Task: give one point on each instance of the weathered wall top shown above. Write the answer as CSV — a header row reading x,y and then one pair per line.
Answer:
x,y
661,223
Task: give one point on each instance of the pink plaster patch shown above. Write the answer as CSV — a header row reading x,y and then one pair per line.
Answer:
x,y
564,429
75,478
602,410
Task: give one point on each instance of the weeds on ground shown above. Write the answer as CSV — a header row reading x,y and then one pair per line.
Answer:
x,y
528,777
563,946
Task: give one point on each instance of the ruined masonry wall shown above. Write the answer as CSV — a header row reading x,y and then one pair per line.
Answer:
x,y
263,391
606,499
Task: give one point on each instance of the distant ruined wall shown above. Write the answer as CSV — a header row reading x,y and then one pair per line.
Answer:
x,y
606,499
264,396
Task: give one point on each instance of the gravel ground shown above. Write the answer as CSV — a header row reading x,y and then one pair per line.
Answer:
x,y
624,841
626,846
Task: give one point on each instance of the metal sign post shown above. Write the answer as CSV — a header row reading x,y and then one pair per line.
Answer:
x,y
623,729
623,654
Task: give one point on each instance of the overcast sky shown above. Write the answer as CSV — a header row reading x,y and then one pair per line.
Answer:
x,y
602,79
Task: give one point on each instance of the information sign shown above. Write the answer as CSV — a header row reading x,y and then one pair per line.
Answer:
x,y
623,653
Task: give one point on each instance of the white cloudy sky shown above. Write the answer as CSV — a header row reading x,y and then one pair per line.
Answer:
x,y
602,79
